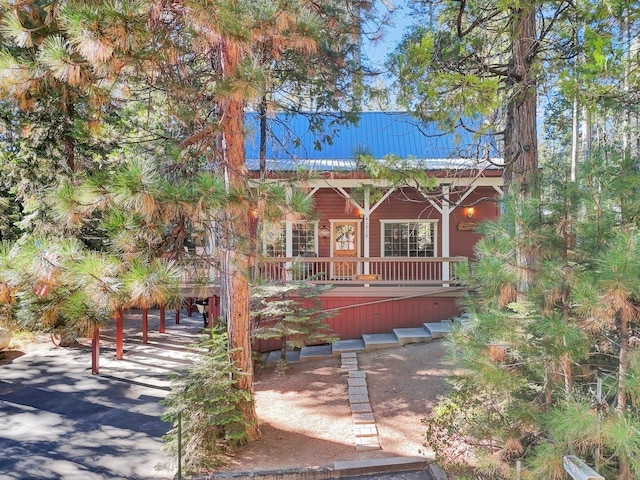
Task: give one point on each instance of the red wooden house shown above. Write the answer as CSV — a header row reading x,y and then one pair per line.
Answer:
x,y
389,251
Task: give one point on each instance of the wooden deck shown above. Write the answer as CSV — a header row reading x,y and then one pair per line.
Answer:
x,y
369,295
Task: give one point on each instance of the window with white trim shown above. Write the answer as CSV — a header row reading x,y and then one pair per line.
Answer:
x,y
410,238
303,239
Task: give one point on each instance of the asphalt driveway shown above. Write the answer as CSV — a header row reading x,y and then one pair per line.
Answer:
x,y
57,421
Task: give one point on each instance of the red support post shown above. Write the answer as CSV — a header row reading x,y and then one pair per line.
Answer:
x,y
145,325
119,333
95,351
161,328
212,308
178,316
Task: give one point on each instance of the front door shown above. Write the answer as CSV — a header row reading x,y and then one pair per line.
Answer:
x,y
345,241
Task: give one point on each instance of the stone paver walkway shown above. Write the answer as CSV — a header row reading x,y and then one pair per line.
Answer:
x,y
364,422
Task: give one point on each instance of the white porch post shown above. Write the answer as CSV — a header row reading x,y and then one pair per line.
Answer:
x,y
446,209
366,212
288,234
211,249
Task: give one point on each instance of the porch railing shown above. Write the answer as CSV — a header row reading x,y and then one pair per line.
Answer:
x,y
339,270
363,271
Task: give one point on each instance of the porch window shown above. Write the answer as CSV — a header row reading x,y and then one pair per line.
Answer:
x,y
303,239
409,238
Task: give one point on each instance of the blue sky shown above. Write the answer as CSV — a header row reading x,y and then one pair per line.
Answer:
x,y
400,18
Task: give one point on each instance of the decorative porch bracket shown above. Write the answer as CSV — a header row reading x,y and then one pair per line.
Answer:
x,y
367,210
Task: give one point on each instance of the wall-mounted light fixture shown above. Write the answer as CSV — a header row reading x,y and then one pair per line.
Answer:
x,y
469,212
324,231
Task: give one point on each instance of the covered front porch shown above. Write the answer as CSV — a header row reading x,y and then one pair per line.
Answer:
x,y
369,295
201,278
366,272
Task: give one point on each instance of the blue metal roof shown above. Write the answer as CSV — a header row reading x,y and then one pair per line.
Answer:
x,y
292,143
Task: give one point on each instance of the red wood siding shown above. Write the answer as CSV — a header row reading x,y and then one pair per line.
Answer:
x,y
379,315
406,205
331,205
461,243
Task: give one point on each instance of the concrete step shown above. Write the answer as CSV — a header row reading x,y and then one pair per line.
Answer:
x,y
315,352
399,337
379,340
463,322
412,335
347,346
438,329
380,465
274,356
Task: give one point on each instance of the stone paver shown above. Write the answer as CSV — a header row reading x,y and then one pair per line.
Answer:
x,y
438,329
365,429
363,418
315,352
349,368
358,399
358,391
364,444
357,382
344,346
361,408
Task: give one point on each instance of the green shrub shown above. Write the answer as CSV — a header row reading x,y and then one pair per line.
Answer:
x,y
203,408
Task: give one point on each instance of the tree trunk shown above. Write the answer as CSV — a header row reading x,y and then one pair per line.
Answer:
x,y
236,290
521,147
263,137
623,335
621,405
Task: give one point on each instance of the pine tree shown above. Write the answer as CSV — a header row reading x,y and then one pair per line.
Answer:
x,y
56,108
200,65
225,59
204,409
480,68
537,340
290,313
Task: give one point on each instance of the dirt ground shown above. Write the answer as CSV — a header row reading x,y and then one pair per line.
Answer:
x,y
26,342
305,415
305,418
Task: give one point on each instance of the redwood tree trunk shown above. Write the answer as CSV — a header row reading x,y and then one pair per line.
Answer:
x,y
521,145
236,288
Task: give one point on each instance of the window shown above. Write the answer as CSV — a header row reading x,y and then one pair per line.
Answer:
x,y
303,239
409,238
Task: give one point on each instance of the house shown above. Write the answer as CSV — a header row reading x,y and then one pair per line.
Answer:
x,y
388,249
